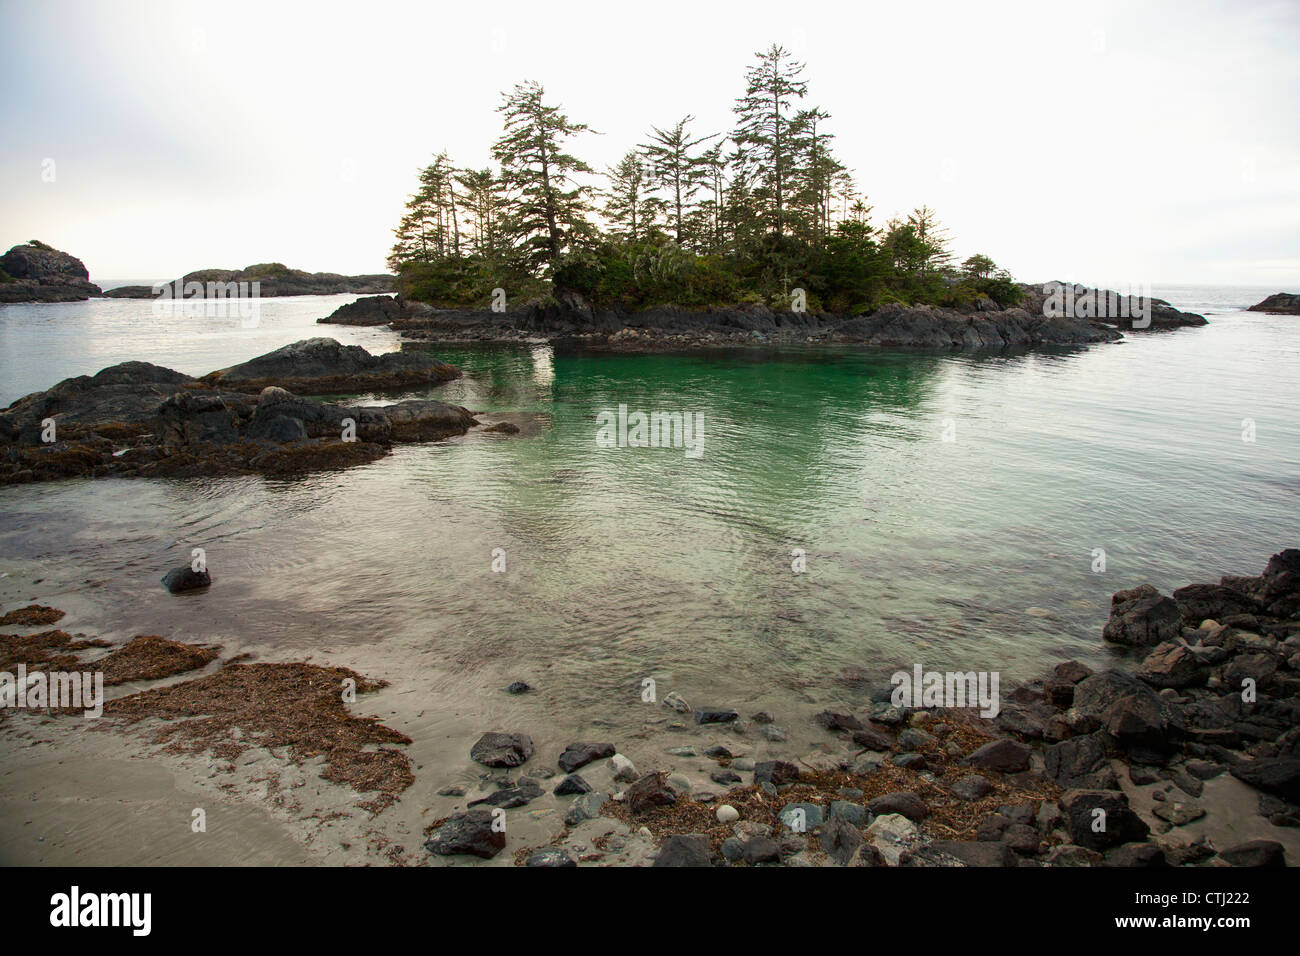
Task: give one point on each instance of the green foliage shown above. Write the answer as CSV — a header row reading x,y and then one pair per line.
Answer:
x,y
744,217
40,245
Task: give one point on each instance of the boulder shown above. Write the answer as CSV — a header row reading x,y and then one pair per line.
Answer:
x,y
1081,763
1200,601
689,849
1142,616
841,839
580,754
1255,853
468,833
185,578
1005,756
1099,819
502,750
322,366
648,793
1172,665
1277,775
903,802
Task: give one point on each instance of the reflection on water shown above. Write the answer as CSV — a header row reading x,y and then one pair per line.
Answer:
x,y
629,562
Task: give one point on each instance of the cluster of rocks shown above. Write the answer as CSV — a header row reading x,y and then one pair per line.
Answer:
x,y
273,279
36,273
1280,303
567,318
140,419
1216,691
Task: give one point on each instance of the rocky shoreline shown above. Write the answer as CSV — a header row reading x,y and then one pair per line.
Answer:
x,y
570,320
1150,751
36,273
138,419
1217,691
273,279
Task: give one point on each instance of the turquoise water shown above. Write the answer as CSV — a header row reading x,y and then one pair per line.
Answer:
x,y
975,553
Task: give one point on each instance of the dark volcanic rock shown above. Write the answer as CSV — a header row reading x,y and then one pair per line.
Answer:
x,y
776,772
832,721
714,715
1200,601
1280,303
36,273
1004,756
502,750
580,754
467,833
323,366
1173,665
1255,853
651,791
840,839
186,579
368,310
508,798
1114,825
141,419
1080,763
1279,775
572,784
1142,616
903,802
690,849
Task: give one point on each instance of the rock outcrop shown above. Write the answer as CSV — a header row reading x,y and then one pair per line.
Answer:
x,y
141,419
273,278
1280,303
36,273
567,318
323,366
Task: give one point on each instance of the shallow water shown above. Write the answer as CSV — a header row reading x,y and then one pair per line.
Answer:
x,y
624,563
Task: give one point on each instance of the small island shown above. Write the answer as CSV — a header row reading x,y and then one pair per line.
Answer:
x,y
35,272
1280,303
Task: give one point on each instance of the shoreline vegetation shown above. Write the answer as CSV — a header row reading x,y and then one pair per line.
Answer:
x,y
1204,699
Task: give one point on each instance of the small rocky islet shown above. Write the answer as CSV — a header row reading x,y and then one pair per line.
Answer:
x,y
1213,689
139,419
568,319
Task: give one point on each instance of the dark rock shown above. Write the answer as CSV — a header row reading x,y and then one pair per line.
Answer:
x,y
1004,756
972,787
829,720
1255,853
1277,775
690,849
1142,616
711,715
1197,602
1281,303
1136,855
186,578
725,776
1071,672
904,801
323,366
977,852
368,310
585,806
1022,838
840,839
869,738
43,274
580,754
776,772
502,750
511,797
761,850
1117,826
1080,763
1172,665
467,833
649,792
518,687
572,784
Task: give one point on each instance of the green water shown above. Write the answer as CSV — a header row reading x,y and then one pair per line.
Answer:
x,y
622,563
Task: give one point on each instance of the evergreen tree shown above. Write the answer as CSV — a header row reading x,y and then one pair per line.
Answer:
x,y
546,205
766,131
676,171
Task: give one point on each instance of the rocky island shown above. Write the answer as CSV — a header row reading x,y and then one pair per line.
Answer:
x,y
568,317
140,419
1280,303
35,272
273,278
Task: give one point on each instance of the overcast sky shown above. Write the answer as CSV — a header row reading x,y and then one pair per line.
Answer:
x,y
1099,142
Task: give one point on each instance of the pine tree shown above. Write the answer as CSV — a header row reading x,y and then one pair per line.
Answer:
x,y
628,203
544,199
676,171
766,133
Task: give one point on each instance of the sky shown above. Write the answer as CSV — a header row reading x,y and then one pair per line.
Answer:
x,y
1099,142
